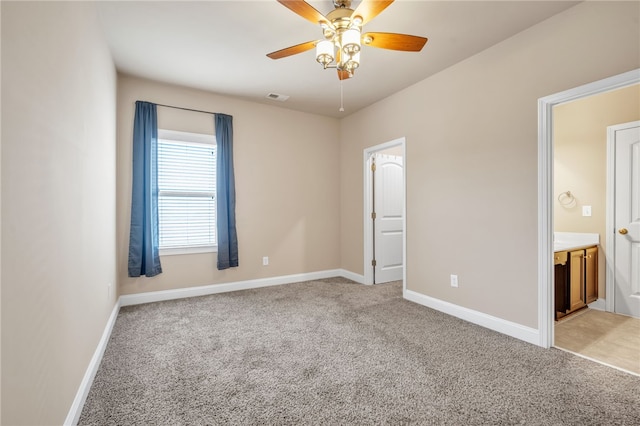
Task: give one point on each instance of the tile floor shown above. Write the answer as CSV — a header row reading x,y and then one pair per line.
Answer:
x,y
603,336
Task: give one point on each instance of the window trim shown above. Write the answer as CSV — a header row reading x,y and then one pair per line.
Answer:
x,y
174,251
179,136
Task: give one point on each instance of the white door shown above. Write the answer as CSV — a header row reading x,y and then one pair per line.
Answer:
x,y
389,205
626,140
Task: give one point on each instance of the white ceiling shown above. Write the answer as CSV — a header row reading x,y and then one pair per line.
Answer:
x,y
221,46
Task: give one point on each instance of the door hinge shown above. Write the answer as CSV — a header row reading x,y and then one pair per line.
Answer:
x,y
373,263
373,167
373,215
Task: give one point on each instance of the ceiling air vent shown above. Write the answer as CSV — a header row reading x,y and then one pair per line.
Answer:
x,y
277,97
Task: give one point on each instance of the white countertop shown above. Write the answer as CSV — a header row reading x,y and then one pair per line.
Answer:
x,y
564,241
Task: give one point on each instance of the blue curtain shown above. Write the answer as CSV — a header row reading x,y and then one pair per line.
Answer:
x,y
226,193
144,256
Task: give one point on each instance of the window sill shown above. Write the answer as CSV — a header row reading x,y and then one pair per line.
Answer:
x,y
187,250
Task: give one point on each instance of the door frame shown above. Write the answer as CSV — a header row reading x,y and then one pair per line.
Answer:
x,y
610,213
368,224
545,190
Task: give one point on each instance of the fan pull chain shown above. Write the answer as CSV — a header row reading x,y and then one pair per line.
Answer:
x,y
341,98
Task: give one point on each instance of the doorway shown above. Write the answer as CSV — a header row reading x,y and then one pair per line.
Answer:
x,y
384,168
584,149
546,191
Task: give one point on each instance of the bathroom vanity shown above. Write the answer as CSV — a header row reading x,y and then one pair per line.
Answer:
x,y
575,262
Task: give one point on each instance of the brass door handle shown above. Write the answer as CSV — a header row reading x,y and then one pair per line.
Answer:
x,y
623,231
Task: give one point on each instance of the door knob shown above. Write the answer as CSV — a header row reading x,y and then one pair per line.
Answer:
x,y
623,231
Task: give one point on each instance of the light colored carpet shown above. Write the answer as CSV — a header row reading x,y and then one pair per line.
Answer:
x,y
336,352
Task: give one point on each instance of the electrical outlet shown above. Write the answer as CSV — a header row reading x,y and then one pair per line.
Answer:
x,y
454,281
265,261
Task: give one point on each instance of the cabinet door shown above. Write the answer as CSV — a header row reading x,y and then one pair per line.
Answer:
x,y
591,274
576,280
561,289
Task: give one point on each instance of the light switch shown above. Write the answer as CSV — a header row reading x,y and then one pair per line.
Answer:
x,y
586,210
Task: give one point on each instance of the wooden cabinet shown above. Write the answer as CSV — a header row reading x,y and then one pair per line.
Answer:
x,y
561,274
576,279
591,274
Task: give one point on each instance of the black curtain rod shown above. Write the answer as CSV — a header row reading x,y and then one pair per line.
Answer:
x,y
187,109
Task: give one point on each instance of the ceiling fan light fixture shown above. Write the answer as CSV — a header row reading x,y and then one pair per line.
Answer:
x,y
329,34
352,63
325,52
342,34
351,41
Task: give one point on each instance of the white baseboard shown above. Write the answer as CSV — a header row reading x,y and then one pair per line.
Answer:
x,y
351,276
157,296
528,334
599,304
81,396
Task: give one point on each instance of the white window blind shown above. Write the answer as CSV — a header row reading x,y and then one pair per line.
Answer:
x,y
187,190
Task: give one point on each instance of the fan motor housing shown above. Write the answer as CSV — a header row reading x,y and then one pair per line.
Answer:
x,y
340,18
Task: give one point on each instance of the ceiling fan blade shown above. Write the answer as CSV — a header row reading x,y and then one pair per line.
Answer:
x,y
393,41
304,9
369,9
343,75
292,50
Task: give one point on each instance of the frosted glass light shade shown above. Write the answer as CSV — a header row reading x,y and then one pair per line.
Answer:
x,y
351,41
353,62
324,52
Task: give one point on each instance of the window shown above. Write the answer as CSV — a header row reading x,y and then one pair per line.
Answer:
x,y
187,192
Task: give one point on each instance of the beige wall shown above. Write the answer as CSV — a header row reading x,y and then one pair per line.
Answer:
x,y
471,163
580,160
287,187
58,204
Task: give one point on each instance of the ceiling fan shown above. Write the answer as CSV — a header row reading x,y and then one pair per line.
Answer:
x,y
342,34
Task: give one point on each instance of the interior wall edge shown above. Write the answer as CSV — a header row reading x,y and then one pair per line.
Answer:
x,y
87,380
